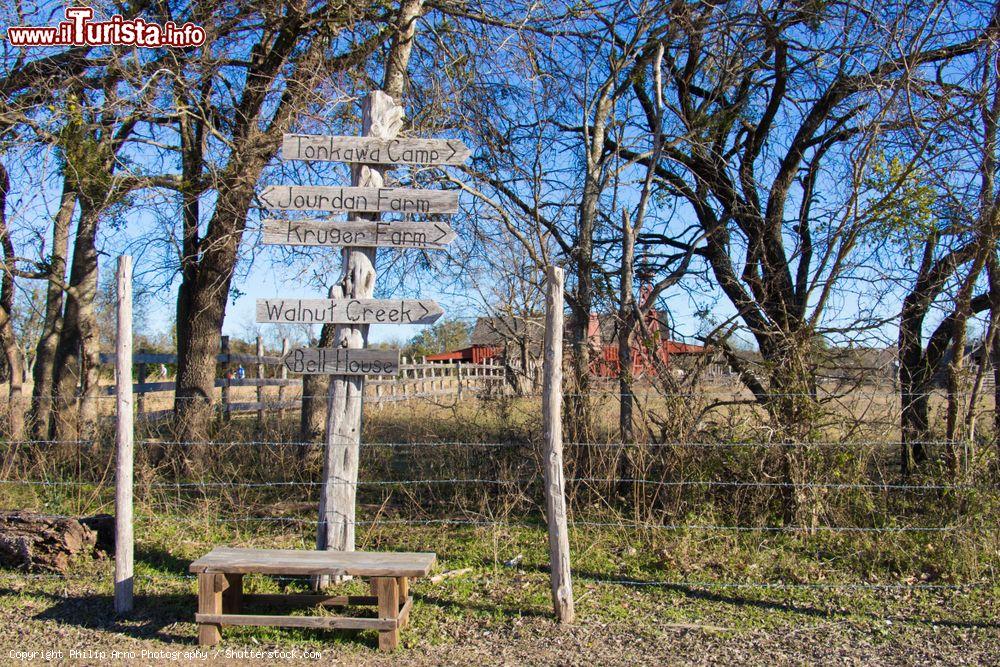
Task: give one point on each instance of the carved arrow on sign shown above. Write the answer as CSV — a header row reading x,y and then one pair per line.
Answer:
x,y
431,235
348,311
358,200
342,361
369,150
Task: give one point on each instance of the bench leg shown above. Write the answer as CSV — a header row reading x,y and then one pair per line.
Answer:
x,y
232,597
404,592
209,602
388,609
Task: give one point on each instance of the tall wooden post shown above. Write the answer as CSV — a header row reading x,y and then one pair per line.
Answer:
x,y
260,383
282,390
142,376
555,492
381,118
225,376
123,440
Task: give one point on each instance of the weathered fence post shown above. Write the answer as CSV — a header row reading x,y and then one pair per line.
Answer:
x,y
123,440
283,370
142,376
260,383
555,492
225,375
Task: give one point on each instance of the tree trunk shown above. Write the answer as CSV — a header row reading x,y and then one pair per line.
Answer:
x,y
14,425
77,361
37,543
792,405
915,368
43,372
204,292
312,421
626,321
994,352
201,308
914,388
193,394
208,263
956,368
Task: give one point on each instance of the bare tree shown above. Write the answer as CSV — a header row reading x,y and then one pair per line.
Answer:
x,y
8,339
290,54
958,247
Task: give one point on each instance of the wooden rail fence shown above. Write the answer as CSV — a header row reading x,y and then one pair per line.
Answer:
x,y
415,380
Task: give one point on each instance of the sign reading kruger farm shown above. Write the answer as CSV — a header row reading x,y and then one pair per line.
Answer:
x,y
430,235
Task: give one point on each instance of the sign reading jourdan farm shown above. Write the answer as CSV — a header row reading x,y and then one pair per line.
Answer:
x,y
358,200
370,150
342,361
431,235
348,311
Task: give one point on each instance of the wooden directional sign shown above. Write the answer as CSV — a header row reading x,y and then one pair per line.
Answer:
x,y
369,150
342,361
359,200
432,235
348,311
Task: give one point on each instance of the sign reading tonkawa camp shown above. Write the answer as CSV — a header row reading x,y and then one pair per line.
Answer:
x,y
431,235
342,361
358,200
348,311
370,150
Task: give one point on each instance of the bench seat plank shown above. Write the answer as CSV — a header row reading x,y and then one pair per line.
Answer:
x,y
300,562
318,622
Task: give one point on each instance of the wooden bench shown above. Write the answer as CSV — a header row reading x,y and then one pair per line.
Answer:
x,y
221,599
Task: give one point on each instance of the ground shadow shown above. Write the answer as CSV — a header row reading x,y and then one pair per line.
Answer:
x,y
489,608
162,560
153,617
156,617
697,593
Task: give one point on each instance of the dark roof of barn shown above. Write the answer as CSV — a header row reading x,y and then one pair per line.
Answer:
x,y
500,329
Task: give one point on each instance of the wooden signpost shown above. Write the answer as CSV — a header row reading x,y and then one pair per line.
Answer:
x,y
358,200
342,361
372,150
351,306
429,235
348,311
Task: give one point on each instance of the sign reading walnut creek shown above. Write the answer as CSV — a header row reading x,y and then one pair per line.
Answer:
x,y
348,311
342,361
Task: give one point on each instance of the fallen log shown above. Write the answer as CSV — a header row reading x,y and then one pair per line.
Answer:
x,y
38,543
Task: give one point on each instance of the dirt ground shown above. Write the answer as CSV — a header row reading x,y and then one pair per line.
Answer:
x,y
59,627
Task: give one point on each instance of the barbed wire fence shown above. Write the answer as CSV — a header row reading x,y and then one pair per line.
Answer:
x,y
522,481
712,489
528,486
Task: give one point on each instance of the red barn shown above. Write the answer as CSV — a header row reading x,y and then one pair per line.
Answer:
x,y
518,341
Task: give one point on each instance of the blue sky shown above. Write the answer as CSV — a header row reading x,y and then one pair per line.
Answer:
x,y
141,231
